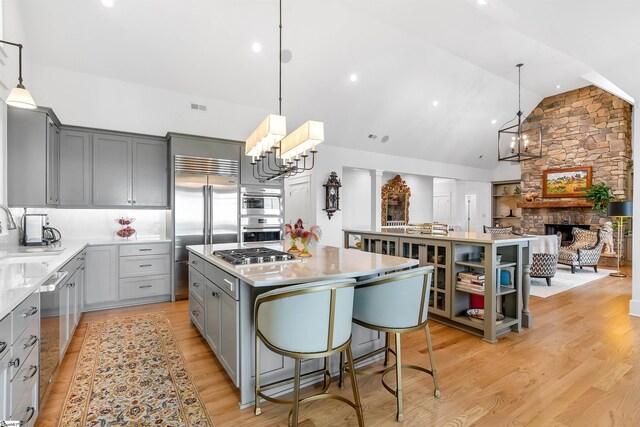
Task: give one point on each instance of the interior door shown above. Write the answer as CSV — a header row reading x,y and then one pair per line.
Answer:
x,y
298,200
442,208
471,219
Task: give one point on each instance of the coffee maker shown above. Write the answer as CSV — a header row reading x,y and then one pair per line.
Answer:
x,y
37,231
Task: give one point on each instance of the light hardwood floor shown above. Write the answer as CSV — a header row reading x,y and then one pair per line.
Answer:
x,y
578,366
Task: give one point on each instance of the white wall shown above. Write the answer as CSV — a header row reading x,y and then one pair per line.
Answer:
x,y
355,198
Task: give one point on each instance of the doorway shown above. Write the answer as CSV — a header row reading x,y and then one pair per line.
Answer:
x,y
470,212
298,200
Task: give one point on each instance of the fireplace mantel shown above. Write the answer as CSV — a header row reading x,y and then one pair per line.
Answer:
x,y
540,204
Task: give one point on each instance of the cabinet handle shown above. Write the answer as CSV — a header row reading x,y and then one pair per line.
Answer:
x,y
3,346
15,362
71,285
196,285
215,294
145,265
31,312
194,262
33,369
230,283
196,313
144,249
134,202
32,341
144,286
32,410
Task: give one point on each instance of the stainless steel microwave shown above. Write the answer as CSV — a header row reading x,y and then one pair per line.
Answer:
x,y
261,201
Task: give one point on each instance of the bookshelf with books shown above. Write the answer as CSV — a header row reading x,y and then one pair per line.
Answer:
x,y
505,212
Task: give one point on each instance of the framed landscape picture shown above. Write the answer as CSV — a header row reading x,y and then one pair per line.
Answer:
x,y
567,182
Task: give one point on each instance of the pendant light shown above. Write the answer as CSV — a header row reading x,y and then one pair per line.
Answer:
x,y
519,142
274,154
19,96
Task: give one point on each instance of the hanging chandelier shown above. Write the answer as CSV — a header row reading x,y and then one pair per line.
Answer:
x,y
274,154
520,141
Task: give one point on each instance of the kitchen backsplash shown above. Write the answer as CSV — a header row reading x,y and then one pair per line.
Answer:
x,y
100,224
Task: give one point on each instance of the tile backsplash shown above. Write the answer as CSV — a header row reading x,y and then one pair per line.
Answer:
x,y
100,224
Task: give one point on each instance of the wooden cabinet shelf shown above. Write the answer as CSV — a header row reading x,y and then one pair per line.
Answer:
x,y
578,203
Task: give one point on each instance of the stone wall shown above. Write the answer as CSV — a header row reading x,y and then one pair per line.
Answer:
x,y
584,127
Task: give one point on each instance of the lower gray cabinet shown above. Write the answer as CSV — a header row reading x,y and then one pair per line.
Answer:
x,y
101,276
221,328
75,168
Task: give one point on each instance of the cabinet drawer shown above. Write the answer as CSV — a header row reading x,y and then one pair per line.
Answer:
x,y
196,312
26,409
196,262
222,279
142,288
197,283
144,265
22,316
27,375
145,249
5,335
22,348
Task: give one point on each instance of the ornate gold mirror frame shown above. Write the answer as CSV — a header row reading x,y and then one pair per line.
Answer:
x,y
396,190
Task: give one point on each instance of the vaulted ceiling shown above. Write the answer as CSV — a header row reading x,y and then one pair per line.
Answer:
x,y
406,54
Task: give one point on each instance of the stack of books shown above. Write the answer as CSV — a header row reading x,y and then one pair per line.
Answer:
x,y
470,281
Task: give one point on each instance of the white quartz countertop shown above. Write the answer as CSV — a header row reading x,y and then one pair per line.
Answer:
x,y
452,236
23,269
326,262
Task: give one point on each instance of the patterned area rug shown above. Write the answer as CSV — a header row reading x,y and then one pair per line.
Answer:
x,y
130,372
564,280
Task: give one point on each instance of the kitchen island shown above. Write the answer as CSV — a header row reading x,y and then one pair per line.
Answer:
x,y
222,297
499,262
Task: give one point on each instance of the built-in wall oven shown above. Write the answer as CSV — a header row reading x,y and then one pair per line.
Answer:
x,y
260,229
261,201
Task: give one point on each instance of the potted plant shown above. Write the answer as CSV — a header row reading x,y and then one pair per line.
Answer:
x,y
600,195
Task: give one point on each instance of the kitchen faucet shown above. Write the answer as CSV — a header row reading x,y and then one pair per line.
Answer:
x,y
12,223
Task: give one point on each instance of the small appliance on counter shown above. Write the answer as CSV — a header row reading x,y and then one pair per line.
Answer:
x,y
37,231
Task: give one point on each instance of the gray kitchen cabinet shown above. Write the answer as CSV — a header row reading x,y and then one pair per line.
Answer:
x,y
75,168
65,307
212,316
150,172
32,154
112,170
53,163
101,275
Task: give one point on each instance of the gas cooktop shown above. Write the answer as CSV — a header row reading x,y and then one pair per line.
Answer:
x,y
254,256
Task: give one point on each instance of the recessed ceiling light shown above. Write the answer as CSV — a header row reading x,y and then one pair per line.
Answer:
x,y
385,139
256,47
435,103
494,121
353,77
107,3
557,86
483,2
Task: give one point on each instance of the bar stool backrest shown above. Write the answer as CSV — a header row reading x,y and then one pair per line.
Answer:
x,y
394,301
312,318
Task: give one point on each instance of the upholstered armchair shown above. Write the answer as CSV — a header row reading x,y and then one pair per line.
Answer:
x,y
544,265
584,250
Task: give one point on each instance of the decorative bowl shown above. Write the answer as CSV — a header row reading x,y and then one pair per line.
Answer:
x,y
477,315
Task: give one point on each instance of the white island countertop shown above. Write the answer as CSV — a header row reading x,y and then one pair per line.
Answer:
x,y
326,262
23,269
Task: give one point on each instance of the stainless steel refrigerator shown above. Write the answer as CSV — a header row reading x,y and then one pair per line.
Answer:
x,y
205,210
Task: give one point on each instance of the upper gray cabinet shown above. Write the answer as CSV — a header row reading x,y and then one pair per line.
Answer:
x,y
129,171
112,170
150,172
32,157
75,168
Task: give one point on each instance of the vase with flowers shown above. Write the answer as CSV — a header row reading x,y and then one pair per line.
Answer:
x,y
307,237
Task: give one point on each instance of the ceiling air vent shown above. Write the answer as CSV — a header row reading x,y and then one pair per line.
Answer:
x,y
198,107
372,136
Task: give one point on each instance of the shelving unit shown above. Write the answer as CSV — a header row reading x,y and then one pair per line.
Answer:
x,y
503,204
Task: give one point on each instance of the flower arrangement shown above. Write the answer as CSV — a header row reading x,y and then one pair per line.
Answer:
x,y
307,237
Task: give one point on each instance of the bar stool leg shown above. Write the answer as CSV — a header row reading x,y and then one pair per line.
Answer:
x,y
296,394
386,349
354,386
400,415
256,404
432,360
341,377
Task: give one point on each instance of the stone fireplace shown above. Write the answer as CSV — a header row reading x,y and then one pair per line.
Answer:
x,y
584,127
565,230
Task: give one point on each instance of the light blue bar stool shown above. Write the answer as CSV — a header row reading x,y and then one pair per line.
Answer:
x,y
395,303
308,321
